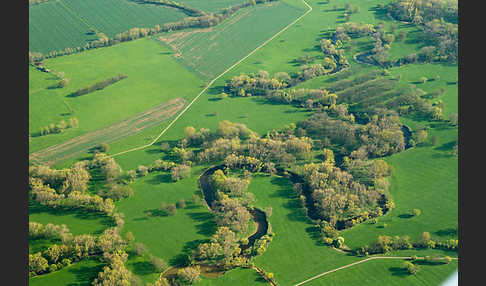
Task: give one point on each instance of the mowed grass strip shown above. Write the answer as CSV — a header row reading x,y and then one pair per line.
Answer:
x,y
386,272
153,78
114,132
115,16
211,52
52,27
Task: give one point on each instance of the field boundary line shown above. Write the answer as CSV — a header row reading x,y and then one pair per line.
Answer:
x,y
213,80
76,15
358,262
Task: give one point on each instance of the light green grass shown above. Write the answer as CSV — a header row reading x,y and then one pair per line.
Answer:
x,y
153,78
238,276
294,254
386,272
167,237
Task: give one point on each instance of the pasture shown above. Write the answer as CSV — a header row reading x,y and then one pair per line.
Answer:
x,y
210,5
81,273
149,83
386,272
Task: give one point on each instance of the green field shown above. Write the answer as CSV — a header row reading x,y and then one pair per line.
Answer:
x,y
146,63
52,27
115,16
210,5
78,274
209,52
386,272
166,236
294,254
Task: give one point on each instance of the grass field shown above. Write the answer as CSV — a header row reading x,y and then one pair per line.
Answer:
x,y
386,272
78,222
294,254
46,33
78,274
167,237
238,276
149,83
211,51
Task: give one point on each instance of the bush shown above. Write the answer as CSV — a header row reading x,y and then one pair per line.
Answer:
x,y
416,212
411,268
181,204
139,248
180,172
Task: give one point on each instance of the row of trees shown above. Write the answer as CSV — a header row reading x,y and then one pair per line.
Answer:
x,y
60,127
99,85
35,2
49,231
385,244
74,249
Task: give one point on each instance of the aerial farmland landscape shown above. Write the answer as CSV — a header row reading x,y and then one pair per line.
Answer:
x,y
242,142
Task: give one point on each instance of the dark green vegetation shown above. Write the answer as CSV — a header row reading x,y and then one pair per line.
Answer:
x,y
392,100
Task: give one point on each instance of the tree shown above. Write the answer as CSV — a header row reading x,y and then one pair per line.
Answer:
x,y
181,203
434,140
189,275
223,95
139,248
453,118
158,263
104,147
37,263
421,136
423,79
411,268
339,242
142,171
172,209
180,172
129,236
77,179
416,212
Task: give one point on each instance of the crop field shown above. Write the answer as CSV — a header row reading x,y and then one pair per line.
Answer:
x,y
210,51
114,132
53,27
210,5
115,16
145,62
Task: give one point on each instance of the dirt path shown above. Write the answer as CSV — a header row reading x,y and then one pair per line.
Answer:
x,y
355,263
212,81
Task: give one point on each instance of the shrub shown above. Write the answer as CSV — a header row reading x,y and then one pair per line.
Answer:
x,y
139,248
411,268
416,212
181,203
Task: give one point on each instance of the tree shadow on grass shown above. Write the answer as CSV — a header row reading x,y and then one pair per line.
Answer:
x,y
293,204
143,268
315,233
86,274
105,221
446,232
160,178
398,271
405,215
204,222
182,259
447,146
215,90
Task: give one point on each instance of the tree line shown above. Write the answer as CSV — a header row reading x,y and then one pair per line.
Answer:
x,y
99,85
60,127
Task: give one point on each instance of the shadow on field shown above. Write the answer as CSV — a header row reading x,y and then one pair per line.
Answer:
x,y
398,271
293,204
143,268
204,222
160,178
85,275
405,216
215,90
446,232
182,259
106,222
